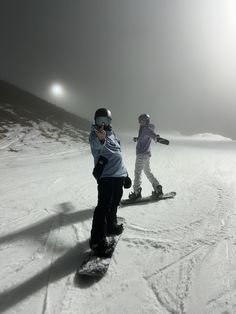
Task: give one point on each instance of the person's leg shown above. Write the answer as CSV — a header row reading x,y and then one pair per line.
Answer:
x,y
98,232
147,170
111,216
139,164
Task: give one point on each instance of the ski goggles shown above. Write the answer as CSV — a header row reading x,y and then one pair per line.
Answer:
x,y
99,121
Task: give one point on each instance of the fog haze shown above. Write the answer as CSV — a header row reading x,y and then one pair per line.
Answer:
x,y
172,59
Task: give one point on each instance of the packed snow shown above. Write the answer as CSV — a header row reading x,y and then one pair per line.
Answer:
x,y
174,256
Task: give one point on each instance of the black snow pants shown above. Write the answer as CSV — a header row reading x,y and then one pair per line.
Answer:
x,y
110,191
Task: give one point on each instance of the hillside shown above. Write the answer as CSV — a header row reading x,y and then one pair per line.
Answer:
x,y
25,115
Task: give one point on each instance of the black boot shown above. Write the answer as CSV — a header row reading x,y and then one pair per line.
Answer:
x,y
115,229
134,196
157,192
102,248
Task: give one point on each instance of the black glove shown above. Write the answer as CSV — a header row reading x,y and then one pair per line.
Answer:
x,y
98,169
161,140
127,182
135,139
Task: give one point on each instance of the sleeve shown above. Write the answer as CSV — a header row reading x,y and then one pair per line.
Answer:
x,y
95,145
152,133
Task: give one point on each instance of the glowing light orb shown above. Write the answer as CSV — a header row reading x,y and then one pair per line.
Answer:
x,y
57,90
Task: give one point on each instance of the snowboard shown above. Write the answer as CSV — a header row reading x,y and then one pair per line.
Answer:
x,y
147,199
95,266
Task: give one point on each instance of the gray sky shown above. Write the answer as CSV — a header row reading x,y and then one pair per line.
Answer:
x,y
174,59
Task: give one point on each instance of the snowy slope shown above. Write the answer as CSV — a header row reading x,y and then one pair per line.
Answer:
x,y
175,256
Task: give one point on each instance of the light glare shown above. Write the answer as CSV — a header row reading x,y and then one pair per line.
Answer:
x,y
57,90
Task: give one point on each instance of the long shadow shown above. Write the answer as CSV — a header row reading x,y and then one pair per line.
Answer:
x,y
64,216
63,266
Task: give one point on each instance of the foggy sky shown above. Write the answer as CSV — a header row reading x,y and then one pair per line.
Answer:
x,y
174,59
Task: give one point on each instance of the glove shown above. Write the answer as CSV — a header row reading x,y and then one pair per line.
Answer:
x,y
162,140
135,139
98,169
127,182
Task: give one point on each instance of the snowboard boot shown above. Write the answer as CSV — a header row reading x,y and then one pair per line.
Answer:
x,y
135,196
103,248
157,193
115,229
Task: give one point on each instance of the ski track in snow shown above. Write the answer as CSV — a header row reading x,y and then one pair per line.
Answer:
x,y
175,256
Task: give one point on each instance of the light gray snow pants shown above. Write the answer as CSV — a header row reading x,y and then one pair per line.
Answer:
x,y
143,163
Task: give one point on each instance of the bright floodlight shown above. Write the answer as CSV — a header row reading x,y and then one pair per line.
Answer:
x,y
57,90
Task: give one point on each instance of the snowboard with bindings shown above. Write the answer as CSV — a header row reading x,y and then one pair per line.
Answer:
x,y
94,266
147,199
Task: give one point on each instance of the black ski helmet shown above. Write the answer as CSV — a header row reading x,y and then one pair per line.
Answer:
x,y
103,112
144,117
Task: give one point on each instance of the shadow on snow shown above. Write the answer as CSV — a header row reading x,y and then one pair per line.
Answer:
x,y
61,267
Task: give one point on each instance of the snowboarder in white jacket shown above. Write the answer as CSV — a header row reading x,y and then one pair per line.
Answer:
x,y
145,136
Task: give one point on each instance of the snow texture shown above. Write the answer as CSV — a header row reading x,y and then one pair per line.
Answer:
x,y
175,256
